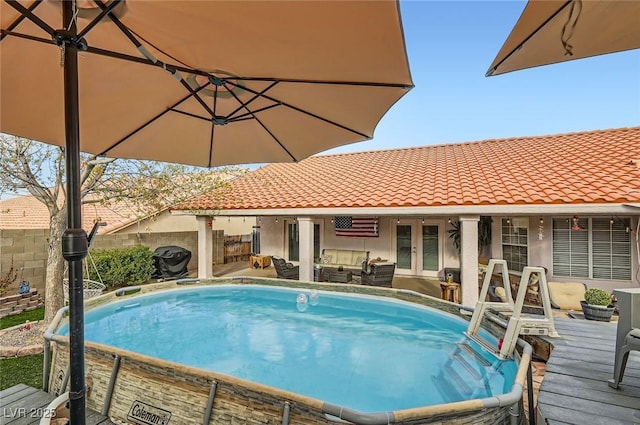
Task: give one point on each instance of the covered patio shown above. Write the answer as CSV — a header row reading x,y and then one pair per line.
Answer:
x,y
426,286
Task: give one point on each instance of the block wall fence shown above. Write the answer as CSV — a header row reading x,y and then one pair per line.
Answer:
x,y
28,250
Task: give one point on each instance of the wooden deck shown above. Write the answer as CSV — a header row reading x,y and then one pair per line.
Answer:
x,y
22,405
574,389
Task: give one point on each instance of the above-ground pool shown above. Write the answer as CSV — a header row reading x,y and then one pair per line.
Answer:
x,y
363,353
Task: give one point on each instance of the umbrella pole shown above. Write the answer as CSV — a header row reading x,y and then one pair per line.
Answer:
x,y
74,239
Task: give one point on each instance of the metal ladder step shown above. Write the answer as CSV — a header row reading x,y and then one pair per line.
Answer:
x,y
448,391
461,361
477,356
461,384
484,344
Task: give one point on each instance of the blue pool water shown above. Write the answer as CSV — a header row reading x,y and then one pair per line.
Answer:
x,y
366,353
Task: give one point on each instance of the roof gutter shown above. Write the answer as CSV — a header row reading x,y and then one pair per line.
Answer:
x,y
528,209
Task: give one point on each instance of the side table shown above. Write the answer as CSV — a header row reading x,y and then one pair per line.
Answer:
x,y
450,291
260,261
340,276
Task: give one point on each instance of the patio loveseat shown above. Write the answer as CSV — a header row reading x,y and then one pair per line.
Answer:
x,y
345,258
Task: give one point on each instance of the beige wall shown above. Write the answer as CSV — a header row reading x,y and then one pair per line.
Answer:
x,y
234,225
273,242
167,222
28,249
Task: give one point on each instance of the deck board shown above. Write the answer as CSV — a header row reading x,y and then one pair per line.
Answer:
x,y
574,390
21,405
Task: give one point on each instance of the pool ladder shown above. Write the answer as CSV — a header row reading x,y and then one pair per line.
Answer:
x,y
466,374
518,324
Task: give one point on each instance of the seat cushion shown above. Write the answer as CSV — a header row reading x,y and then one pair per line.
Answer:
x,y
344,257
501,293
567,295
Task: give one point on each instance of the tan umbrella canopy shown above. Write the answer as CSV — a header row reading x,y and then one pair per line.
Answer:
x,y
207,82
195,82
558,30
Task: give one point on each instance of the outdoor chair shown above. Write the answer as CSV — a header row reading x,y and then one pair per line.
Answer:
x,y
379,274
631,343
286,270
628,332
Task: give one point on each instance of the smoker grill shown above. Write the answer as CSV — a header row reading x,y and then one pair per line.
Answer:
x,y
170,261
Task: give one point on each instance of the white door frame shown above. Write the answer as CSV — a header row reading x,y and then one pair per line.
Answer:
x,y
416,245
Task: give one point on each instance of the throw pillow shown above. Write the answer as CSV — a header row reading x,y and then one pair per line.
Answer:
x,y
377,260
325,259
534,282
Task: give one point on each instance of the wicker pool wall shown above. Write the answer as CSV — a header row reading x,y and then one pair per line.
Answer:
x,y
149,390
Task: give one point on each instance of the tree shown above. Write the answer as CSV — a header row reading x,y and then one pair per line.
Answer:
x,y
147,187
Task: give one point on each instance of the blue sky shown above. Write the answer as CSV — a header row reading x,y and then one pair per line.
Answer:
x,y
450,45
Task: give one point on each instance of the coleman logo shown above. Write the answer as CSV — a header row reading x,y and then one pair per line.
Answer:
x,y
145,414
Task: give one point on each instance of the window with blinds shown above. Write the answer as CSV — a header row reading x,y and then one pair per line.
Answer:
x,y
598,248
515,238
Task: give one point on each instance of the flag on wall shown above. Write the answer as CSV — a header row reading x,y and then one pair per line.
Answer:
x,y
357,227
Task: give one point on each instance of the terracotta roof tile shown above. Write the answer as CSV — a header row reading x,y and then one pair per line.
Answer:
x,y
588,167
26,212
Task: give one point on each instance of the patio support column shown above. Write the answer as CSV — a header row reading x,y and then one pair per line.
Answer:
x,y
205,246
305,227
469,259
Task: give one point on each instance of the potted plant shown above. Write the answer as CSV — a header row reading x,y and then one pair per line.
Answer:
x,y
597,305
484,233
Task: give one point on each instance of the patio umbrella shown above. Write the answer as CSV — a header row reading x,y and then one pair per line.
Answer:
x,y
193,82
560,30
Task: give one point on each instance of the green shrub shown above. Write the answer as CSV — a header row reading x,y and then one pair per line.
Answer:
x,y
596,296
122,266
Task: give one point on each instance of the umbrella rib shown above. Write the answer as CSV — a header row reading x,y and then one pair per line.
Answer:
x,y
276,139
123,28
33,18
146,61
111,54
256,96
522,43
105,11
244,116
20,18
295,108
259,121
342,83
170,108
189,114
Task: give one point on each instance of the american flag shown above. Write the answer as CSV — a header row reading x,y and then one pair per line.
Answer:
x,y
356,227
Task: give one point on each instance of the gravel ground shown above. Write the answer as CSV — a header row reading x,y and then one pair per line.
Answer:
x,y
24,335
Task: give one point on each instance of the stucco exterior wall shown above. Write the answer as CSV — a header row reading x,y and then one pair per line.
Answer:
x,y
540,251
273,239
166,221
274,242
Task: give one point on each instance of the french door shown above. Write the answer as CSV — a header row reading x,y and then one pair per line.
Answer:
x,y
417,246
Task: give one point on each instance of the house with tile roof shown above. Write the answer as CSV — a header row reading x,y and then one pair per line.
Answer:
x,y
26,212
567,202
